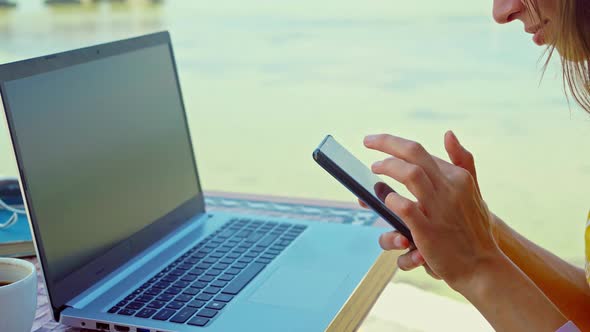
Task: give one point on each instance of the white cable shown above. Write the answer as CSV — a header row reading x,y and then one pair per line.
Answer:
x,y
10,208
11,221
15,212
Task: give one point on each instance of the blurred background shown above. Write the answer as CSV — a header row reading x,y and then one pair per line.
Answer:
x,y
264,81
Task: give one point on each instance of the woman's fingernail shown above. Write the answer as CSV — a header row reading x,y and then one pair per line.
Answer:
x,y
397,241
416,257
377,164
370,138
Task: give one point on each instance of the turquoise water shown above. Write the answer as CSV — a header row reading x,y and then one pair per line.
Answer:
x,y
264,81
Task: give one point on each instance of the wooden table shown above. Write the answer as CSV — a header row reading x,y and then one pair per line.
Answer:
x,y
320,210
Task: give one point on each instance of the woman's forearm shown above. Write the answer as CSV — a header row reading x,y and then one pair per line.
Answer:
x,y
509,300
564,284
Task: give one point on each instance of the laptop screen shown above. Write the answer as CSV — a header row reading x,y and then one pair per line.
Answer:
x,y
105,152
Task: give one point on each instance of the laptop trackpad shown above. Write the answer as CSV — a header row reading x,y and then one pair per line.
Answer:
x,y
291,287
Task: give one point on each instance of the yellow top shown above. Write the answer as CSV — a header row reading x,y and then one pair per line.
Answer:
x,y
588,248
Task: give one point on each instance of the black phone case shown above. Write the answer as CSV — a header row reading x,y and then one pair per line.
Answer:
x,y
358,190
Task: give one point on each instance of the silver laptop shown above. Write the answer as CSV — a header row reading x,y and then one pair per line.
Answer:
x,y
115,204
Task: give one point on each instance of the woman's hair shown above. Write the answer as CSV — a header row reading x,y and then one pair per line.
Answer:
x,y
571,39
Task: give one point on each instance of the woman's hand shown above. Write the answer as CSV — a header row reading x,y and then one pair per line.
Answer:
x,y
394,240
450,222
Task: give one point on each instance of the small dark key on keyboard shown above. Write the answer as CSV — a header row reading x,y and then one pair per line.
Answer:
x,y
180,284
226,261
183,315
211,290
227,233
192,260
198,321
244,233
204,297
205,251
226,277
250,254
220,266
213,272
217,254
206,278
156,304
175,305
254,237
173,290
185,266
153,291
219,283
199,284
162,284
183,298
189,277
191,291
164,314
209,313
135,305
203,266
146,313
144,298
127,312
216,305
176,272
196,303
165,297
210,260
224,298
268,240
239,265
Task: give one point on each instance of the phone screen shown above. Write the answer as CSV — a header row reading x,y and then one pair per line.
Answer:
x,y
338,156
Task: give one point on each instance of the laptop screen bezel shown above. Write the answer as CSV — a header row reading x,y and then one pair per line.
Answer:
x,y
68,287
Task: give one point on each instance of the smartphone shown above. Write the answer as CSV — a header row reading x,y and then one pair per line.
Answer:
x,y
359,179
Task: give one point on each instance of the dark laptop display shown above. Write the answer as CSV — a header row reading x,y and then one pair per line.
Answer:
x,y
106,150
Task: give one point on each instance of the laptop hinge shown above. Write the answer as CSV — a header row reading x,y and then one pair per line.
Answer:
x,y
112,279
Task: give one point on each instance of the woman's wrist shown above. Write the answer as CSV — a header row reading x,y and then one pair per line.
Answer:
x,y
483,276
504,294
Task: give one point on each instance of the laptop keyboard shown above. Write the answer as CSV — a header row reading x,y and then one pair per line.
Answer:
x,y
196,287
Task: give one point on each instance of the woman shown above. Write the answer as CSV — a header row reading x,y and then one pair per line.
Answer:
x,y
515,284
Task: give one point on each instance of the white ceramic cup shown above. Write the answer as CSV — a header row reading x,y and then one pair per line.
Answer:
x,y
18,300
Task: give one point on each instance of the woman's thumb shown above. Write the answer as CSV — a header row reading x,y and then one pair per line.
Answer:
x,y
459,155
